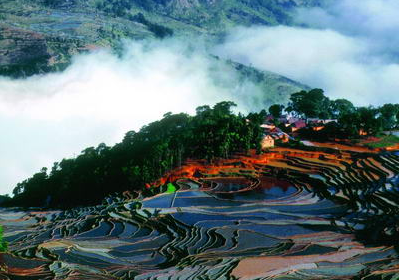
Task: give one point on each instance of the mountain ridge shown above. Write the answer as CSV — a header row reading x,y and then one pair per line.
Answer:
x,y
37,37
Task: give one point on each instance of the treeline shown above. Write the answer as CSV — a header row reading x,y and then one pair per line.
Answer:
x,y
159,31
141,157
122,8
144,156
351,121
58,3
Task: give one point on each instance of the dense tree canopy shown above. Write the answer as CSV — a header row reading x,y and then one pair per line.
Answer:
x,y
339,107
276,110
389,115
352,120
310,104
144,156
141,157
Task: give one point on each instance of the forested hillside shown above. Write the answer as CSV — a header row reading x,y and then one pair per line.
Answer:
x,y
141,157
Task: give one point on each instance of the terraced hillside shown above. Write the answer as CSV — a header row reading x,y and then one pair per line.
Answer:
x,y
287,214
37,37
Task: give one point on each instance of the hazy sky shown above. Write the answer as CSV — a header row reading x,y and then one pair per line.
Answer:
x,y
350,49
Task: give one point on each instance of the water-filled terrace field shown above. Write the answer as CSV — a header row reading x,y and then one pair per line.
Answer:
x,y
286,214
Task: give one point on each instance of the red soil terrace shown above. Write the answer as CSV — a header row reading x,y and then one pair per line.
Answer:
x,y
195,169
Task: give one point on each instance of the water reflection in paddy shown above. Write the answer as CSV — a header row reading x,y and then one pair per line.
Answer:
x,y
242,189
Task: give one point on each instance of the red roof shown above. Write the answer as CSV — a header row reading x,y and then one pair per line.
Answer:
x,y
300,124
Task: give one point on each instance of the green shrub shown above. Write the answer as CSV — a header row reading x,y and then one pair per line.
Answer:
x,y
386,141
3,244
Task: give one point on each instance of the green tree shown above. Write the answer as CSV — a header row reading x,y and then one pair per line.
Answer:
x,y
363,119
369,121
141,158
276,110
389,113
340,107
397,115
310,104
350,123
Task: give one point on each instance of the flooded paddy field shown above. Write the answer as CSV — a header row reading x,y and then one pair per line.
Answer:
x,y
287,214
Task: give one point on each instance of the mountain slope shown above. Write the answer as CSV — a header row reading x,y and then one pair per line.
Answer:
x,y
42,36
274,88
39,36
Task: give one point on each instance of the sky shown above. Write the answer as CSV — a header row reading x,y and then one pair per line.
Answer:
x,y
349,48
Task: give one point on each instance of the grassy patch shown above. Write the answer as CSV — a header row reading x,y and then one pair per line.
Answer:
x,y
384,142
3,244
171,188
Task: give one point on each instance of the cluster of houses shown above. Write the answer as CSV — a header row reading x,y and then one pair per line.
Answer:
x,y
272,133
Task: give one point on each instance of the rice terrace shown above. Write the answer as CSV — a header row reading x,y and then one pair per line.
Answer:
x,y
199,139
250,217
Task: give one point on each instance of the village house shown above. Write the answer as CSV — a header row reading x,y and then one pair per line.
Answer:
x,y
284,119
294,126
362,132
318,124
291,123
284,137
319,121
267,142
271,136
267,126
318,127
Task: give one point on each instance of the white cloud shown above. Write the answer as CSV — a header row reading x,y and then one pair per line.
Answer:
x,y
377,17
99,98
349,48
293,51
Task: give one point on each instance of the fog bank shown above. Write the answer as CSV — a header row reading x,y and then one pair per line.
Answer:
x,y
348,48
100,97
